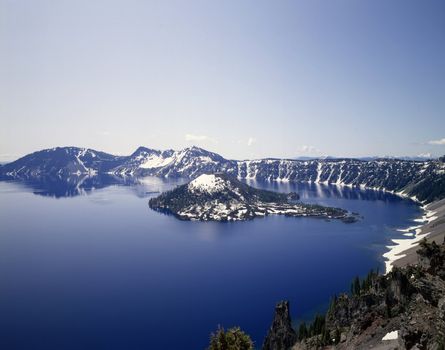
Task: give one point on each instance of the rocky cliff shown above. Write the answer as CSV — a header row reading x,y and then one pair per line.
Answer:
x,y
281,334
404,309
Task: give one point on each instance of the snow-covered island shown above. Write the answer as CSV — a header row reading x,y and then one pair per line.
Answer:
x,y
221,197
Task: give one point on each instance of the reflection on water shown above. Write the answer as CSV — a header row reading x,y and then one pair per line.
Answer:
x,y
74,185
57,187
309,191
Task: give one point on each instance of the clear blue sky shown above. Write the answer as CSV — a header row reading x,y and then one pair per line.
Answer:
x,y
242,78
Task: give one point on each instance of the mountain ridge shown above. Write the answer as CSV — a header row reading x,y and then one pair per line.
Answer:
x,y
421,180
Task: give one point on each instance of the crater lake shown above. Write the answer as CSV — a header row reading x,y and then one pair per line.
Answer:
x,y
84,263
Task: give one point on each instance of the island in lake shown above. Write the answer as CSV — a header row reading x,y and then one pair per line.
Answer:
x,y
221,197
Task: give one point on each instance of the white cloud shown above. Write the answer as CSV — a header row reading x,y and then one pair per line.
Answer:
x,y
440,142
308,149
200,138
424,155
250,141
104,133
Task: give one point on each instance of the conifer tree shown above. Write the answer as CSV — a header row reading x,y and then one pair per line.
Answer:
x,y
302,331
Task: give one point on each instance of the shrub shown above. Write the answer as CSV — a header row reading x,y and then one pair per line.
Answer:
x,y
232,339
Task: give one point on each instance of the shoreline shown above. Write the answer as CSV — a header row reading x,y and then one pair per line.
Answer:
x,y
431,225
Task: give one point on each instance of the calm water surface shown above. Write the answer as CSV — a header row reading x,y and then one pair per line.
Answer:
x,y
85,268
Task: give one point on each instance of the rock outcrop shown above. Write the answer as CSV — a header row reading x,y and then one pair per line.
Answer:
x,y
281,335
404,309
432,259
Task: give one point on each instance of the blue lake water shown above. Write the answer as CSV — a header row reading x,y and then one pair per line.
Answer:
x,y
84,268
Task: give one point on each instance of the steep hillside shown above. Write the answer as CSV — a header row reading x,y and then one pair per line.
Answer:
x,y
189,162
404,309
423,180
62,161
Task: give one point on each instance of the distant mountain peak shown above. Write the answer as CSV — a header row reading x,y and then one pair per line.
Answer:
x,y
194,148
143,149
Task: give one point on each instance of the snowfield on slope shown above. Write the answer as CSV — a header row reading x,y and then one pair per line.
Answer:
x,y
207,183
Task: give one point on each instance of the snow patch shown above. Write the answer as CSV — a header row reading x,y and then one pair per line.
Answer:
x,y
401,245
391,335
155,161
207,183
